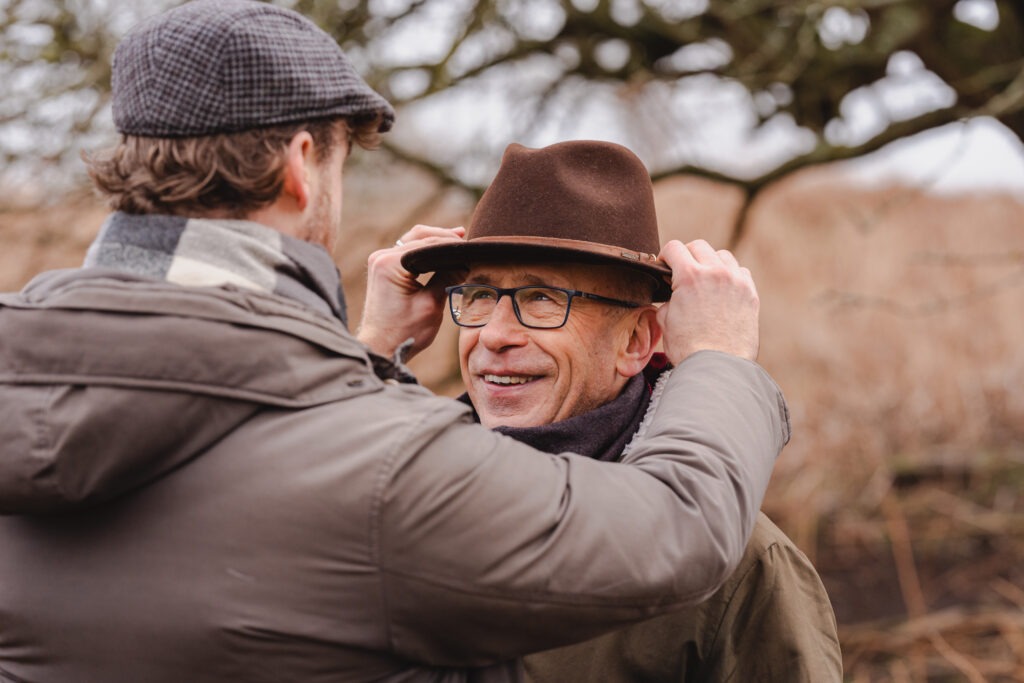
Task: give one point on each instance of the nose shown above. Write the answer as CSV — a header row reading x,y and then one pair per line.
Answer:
x,y
503,330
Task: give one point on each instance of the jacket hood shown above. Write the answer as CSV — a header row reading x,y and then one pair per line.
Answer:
x,y
108,381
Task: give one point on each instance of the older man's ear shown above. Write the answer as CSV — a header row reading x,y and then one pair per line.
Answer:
x,y
643,340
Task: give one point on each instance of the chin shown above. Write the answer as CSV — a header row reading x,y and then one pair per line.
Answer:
x,y
491,420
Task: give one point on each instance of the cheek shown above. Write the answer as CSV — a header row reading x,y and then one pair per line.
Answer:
x,y
588,367
577,350
467,340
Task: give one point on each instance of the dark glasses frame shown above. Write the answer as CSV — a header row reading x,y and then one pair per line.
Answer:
x,y
511,293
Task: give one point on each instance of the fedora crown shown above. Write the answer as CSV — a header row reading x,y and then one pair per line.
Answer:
x,y
582,201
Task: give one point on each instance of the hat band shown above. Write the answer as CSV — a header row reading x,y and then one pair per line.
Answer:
x,y
573,245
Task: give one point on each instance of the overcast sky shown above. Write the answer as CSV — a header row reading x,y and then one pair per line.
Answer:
x,y
979,155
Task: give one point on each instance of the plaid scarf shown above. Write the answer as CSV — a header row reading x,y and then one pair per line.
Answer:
x,y
207,252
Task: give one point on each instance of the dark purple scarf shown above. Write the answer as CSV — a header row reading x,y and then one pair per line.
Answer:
x,y
601,433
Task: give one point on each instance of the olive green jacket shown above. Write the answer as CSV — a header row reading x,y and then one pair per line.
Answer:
x,y
770,622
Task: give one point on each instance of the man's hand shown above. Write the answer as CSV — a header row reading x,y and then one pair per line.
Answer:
x,y
397,306
714,303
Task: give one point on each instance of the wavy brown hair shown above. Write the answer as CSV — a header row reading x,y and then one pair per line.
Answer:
x,y
229,174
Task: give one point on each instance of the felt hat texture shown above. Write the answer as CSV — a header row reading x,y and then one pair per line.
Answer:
x,y
581,201
223,66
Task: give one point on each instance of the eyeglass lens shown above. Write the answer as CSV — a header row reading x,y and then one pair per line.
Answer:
x,y
473,305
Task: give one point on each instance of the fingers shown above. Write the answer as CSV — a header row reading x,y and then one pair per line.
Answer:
x,y
388,259
398,305
714,304
414,238
419,235
676,255
684,259
727,258
703,252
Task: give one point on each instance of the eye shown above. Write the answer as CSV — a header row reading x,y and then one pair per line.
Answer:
x,y
471,295
536,296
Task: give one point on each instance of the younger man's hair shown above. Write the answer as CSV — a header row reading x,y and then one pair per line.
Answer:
x,y
231,174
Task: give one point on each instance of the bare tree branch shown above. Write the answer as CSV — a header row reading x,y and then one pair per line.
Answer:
x,y
783,53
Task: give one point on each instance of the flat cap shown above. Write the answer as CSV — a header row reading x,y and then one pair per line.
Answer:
x,y
223,66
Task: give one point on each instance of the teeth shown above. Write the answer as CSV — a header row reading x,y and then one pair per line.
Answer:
x,y
507,379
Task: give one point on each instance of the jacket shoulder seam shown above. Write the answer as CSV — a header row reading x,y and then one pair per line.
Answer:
x,y
758,559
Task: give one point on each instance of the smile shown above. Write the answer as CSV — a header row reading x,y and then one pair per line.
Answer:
x,y
508,379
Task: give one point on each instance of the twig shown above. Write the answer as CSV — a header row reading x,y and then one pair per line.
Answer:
x,y
956,658
903,556
1009,591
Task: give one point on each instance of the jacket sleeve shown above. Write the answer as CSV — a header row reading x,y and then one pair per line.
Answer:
x,y
489,549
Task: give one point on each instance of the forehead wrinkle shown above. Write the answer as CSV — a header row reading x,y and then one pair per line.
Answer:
x,y
513,276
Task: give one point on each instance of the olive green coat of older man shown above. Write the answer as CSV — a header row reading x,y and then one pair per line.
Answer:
x,y
771,621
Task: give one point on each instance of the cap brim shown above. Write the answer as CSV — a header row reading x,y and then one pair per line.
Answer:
x,y
452,255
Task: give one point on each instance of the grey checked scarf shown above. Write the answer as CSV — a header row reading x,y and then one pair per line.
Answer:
x,y
206,252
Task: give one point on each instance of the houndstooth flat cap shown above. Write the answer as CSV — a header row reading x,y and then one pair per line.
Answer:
x,y
221,66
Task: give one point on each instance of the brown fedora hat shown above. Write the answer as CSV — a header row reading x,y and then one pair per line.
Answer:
x,y
581,201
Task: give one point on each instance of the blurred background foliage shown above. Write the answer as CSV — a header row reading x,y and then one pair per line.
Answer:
x,y
795,83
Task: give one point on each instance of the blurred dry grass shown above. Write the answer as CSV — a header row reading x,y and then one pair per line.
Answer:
x,y
893,321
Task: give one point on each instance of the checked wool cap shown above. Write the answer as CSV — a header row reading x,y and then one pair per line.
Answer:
x,y
582,201
223,66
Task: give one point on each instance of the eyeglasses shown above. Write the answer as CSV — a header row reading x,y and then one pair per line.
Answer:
x,y
542,308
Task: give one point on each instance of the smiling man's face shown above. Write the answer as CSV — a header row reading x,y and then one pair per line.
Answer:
x,y
522,377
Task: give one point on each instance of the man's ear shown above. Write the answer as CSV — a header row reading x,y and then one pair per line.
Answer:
x,y
642,342
299,164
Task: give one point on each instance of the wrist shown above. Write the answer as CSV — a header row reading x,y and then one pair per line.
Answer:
x,y
377,341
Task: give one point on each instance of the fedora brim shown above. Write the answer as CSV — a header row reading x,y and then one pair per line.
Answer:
x,y
452,255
